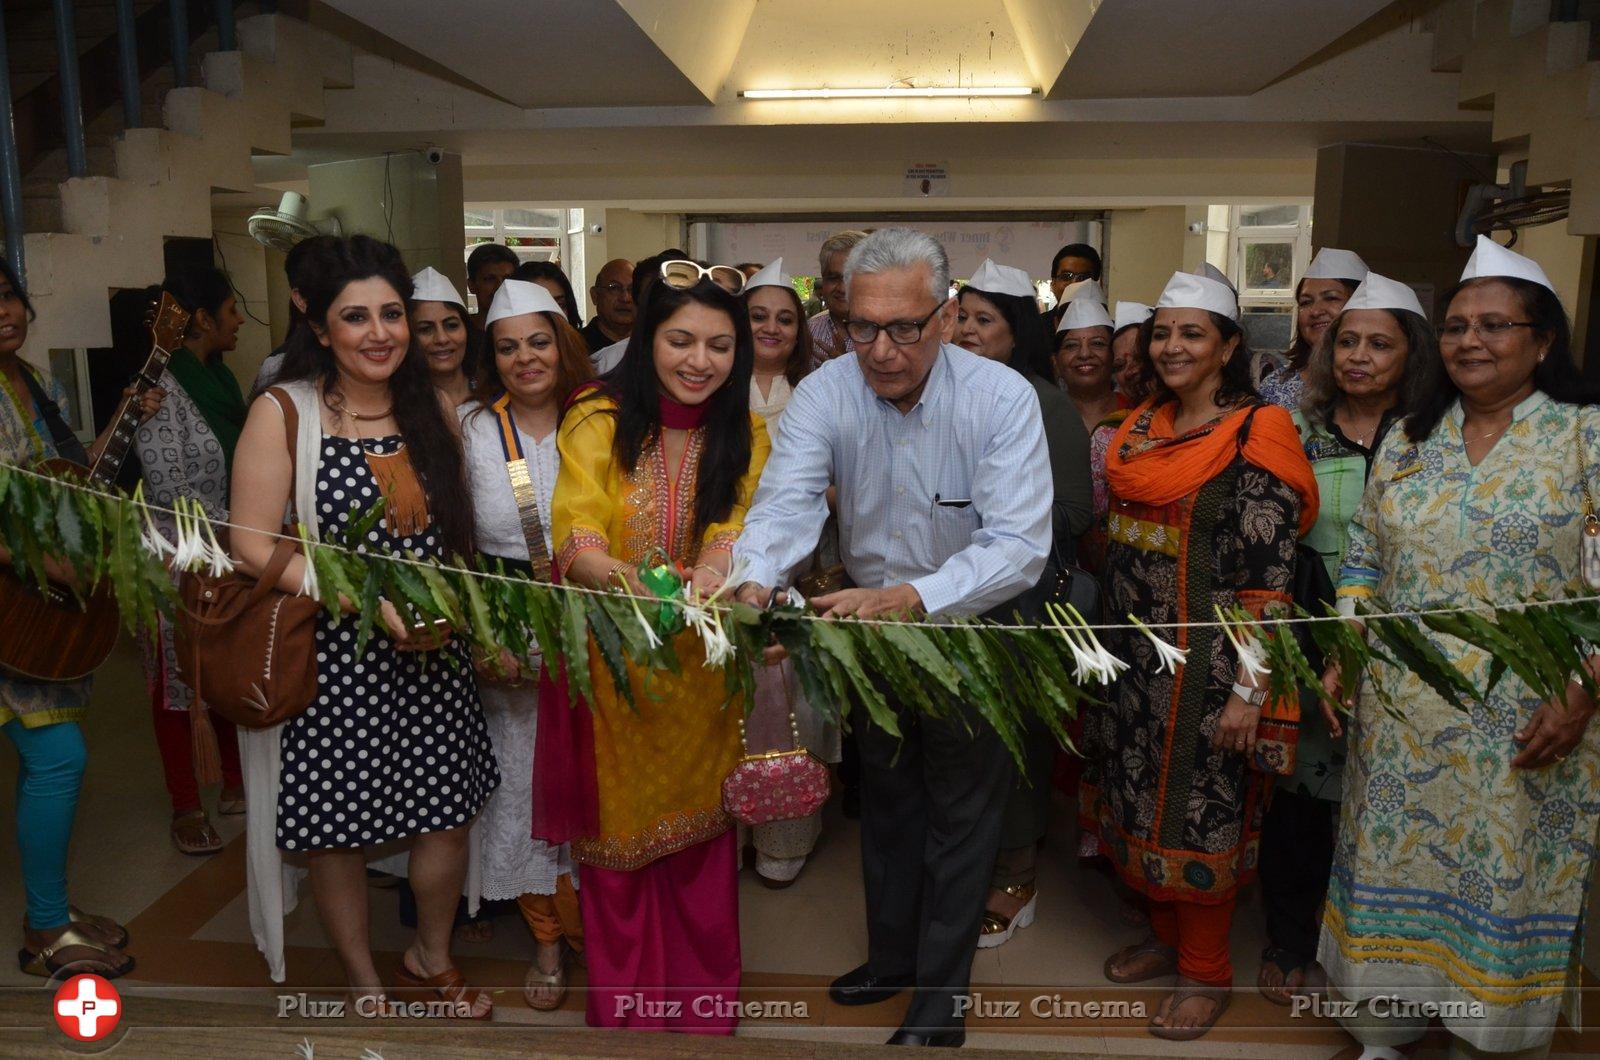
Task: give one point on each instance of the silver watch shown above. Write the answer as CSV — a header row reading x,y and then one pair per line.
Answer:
x,y
1253,696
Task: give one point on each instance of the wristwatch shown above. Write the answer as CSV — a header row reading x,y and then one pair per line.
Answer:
x,y
1253,696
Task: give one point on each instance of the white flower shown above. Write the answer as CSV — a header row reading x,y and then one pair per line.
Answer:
x,y
191,550
218,559
1168,657
1089,657
704,621
309,585
152,538
1243,637
650,636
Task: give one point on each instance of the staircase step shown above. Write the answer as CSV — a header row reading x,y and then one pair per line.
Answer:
x,y
100,154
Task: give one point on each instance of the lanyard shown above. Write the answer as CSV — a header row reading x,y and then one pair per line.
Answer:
x,y
522,488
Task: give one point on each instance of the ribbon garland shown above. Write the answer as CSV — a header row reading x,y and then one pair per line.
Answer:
x,y
1008,672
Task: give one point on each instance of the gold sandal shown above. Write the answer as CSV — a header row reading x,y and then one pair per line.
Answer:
x,y
192,834
998,928
80,917
231,802
548,980
42,962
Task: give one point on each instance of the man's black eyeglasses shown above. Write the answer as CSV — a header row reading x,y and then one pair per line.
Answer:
x,y
901,332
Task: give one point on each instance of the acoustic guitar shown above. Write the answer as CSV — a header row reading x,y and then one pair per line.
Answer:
x,y
56,634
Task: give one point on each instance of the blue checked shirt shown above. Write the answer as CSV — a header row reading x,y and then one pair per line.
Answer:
x,y
953,497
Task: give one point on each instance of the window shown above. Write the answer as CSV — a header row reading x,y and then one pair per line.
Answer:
x,y
534,233
1268,249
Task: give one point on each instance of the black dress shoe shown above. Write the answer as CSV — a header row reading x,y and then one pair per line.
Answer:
x,y
953,1038
859,987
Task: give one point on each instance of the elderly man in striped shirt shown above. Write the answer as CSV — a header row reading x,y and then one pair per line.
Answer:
x,y
944,495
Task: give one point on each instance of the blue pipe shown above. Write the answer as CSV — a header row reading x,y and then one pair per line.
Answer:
x,y
10,169
71,90
128,65
227,34
179,20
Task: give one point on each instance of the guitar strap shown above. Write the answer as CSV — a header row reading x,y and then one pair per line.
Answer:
x,y
66,443
522,489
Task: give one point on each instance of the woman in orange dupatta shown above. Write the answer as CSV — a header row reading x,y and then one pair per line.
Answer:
x,y
1209,491
663,457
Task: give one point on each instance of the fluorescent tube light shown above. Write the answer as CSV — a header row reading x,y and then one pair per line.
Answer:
x,y
893,92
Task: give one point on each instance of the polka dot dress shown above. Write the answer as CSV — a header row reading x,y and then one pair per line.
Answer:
x,y
394,744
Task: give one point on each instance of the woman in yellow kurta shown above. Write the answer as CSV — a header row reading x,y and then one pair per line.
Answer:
x,y
664,454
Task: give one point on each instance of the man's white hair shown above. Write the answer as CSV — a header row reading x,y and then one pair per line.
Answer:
x,y
892,249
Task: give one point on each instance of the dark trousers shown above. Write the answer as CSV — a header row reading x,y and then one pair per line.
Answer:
x,y
1027,813
1296,859
931,811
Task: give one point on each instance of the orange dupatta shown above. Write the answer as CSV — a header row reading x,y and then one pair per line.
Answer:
x,y
1148,464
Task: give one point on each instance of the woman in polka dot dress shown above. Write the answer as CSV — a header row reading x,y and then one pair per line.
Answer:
x,y
394,746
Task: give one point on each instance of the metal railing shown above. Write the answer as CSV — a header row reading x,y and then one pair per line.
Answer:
x,y
71,92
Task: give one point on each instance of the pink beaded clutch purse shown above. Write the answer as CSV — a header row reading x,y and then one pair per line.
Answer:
x,y
775,785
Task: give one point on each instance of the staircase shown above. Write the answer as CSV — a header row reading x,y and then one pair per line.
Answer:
x,y
1534,64
89,236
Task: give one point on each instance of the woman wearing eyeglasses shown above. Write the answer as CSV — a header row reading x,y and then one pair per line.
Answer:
x,y
658,464
1465,843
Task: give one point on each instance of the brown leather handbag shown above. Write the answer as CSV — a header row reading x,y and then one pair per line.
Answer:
x,y
246,648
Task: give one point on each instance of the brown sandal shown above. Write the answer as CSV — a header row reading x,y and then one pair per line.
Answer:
x,y
192,834
1188,989
449,985
1151,946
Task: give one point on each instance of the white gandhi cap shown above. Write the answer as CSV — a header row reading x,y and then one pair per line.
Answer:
x,y
431,285
1131,314
1380,292
1491,259
1001,279
1331,263
516,297
1187,291
771,275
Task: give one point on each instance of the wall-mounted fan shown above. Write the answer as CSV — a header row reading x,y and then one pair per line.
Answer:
x,y
282,228
1509,207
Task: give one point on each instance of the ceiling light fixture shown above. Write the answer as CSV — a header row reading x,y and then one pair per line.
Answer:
x,y
892,92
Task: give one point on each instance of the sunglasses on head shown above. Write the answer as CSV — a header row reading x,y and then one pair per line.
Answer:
x,y
683,275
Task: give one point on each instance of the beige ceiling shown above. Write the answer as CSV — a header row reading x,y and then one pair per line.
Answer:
x,y
538,53
600,53
637,100
1201,47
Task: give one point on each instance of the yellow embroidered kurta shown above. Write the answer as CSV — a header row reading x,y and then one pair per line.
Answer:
x,y
659,770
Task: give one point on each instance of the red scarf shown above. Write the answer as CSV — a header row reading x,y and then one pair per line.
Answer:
x,y
1147,463
679,417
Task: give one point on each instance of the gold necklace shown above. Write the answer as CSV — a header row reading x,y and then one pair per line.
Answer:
x,y
335,401
1498,430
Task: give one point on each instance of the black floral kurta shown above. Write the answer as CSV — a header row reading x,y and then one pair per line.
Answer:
x,y
1180,820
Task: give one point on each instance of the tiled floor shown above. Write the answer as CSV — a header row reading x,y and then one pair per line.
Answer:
x,y
192,938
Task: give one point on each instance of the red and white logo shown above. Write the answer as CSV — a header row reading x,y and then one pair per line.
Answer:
x,y
87,1008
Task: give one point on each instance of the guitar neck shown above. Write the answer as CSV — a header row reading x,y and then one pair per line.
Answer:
x,y
126,422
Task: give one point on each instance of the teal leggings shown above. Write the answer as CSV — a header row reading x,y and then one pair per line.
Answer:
x,y
52,758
